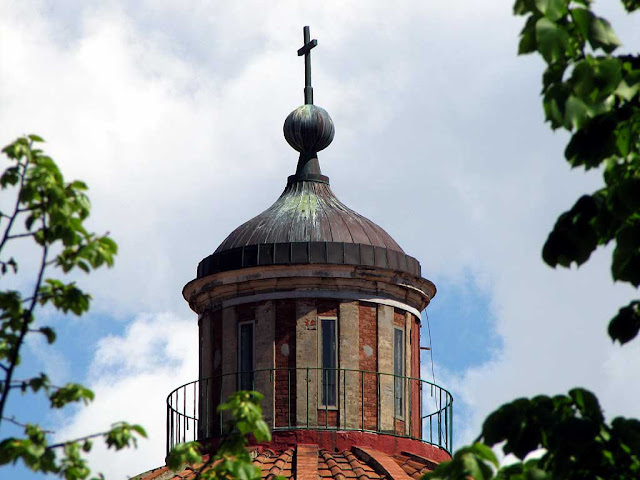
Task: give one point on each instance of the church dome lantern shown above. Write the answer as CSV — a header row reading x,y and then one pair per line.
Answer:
x,y
319,309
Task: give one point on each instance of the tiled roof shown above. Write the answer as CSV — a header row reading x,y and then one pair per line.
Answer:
x,y
298,463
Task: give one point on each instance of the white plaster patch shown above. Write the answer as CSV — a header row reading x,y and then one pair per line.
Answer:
x,y
368,351
216,359
285,349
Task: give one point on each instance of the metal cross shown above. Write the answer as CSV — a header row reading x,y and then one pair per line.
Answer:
x,y
306,51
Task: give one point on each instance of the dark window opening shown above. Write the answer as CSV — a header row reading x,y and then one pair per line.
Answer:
x,y
329,362
245,356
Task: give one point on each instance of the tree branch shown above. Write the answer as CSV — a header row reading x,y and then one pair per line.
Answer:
x,y
16,209
22,235
27,316
19,424
76,440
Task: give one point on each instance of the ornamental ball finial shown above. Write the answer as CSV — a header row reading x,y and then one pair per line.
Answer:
x,y
309,129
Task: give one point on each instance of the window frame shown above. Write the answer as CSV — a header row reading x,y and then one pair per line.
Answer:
x,y
321,403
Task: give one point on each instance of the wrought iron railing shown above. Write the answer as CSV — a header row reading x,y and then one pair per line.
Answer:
x,y
363,400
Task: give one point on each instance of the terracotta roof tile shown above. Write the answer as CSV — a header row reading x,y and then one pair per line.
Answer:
x,y
381,462
361,470
308,462
414,465
281,465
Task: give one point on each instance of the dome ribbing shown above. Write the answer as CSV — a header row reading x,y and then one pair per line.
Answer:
x,y
309,212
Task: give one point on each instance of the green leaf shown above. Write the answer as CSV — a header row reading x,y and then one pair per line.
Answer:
x,y
574,235
184,453
582,18
601,35
49,333
626,256
626,90
552,9
625,325
70,393
608,75
42,381
587,403
627,431
485,452
522,7
552,40
123,435
576,113
11,176
582,78
139,430
527,38
593,143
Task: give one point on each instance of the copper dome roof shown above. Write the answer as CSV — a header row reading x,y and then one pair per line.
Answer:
x,y
309,212
308,224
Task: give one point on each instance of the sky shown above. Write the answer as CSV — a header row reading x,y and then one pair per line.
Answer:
x,y
172,112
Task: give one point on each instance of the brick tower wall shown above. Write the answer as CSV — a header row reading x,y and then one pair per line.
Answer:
x,y
286,337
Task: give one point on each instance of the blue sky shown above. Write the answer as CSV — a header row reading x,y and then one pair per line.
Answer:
x,y
173,116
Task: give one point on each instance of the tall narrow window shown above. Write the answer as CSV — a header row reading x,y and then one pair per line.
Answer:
x,y
329,361
398,370
245,356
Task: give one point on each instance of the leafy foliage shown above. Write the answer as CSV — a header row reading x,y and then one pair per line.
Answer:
x,y
476,461
231,459
576,442
595,95
50,213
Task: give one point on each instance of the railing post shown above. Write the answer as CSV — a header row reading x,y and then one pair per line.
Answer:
x,y
289,396
272,381
451,425
446,424
325,374
409,412
430,429
178,419
220,403
195,424
440,417
362,399
207,408
184,409
344,397
379,404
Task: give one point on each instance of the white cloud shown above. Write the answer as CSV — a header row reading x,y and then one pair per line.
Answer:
x,y
131,376
173,115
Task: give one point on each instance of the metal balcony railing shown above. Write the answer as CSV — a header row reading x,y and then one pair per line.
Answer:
x,y
317,399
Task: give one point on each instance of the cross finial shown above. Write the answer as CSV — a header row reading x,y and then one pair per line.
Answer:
x,y
306,51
